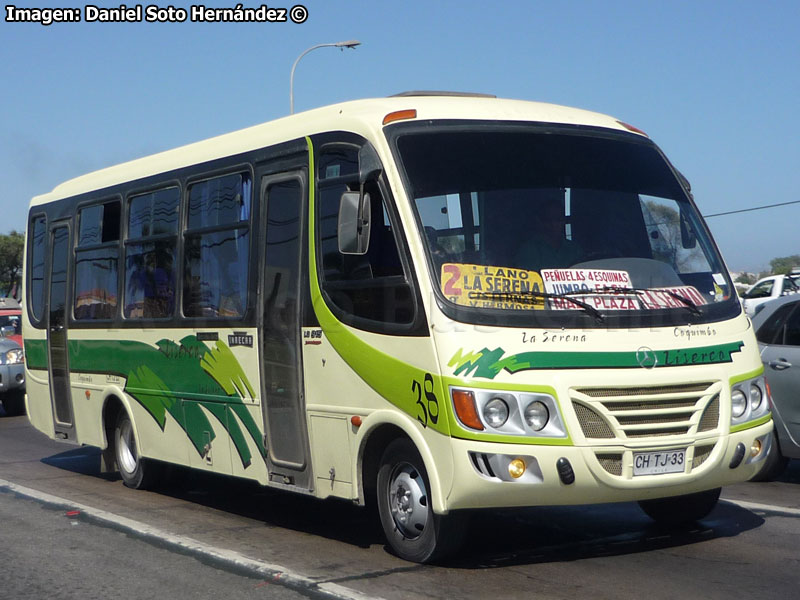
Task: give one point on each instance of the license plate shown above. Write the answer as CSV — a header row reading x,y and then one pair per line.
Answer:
x,y
658,463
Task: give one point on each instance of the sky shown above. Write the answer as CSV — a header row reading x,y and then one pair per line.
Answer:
x,y
716,84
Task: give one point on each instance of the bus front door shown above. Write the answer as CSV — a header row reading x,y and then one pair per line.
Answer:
x,y
60,395
283,406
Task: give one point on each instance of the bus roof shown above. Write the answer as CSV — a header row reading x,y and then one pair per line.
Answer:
x,y
359,116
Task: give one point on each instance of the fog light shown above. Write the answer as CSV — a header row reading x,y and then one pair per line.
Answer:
x,y
755,448
516,468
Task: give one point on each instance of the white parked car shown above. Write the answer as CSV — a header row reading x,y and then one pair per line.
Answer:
x,y
768,289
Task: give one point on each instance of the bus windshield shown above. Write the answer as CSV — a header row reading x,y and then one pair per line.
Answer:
x,y
520,219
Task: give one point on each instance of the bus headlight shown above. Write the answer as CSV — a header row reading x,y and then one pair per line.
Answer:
x,y
506,412
495,412
536,415
748,400
738,403
756,396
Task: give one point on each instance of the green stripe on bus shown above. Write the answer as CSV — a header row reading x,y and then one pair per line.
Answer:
x,y
188,379
488,363
36,354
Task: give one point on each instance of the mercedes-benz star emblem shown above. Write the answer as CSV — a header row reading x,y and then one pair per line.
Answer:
x,y
646,358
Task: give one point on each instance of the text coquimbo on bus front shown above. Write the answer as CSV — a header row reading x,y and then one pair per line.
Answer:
x,y
435,302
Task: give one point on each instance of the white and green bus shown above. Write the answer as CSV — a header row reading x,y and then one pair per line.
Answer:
x,y
434,302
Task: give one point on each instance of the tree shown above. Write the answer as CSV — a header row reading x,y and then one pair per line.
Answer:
x,y
664,226
11,248
784,264
746,278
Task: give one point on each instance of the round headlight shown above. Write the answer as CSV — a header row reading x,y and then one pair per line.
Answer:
x,y
495,412
756,395
536,415
738,403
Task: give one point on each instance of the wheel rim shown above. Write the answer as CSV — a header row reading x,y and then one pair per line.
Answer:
x,y
408,500
126,448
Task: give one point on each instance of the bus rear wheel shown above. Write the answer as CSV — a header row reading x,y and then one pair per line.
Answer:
x,y
414,532
681,510
136,472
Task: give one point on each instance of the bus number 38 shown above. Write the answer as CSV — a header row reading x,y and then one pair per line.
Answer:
x,y
429,407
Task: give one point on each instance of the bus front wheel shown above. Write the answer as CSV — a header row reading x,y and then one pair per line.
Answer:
x,y
136,472
681,510
414,532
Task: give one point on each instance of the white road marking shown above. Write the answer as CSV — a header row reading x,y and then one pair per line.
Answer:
x,y
783,510
274,573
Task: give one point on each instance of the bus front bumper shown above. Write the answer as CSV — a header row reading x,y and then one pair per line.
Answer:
x,y
562,475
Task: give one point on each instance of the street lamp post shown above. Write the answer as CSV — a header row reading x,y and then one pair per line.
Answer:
x,y
347,44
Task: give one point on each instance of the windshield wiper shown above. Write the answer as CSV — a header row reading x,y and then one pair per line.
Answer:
x,y
532,296
639,292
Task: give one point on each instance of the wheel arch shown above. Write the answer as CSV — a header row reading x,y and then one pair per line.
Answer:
x,y
377,431
114,403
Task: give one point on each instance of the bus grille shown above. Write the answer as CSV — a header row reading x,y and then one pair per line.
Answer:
x,y
701,453
611,463
647,412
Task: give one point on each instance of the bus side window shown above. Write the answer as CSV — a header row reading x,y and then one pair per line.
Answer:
x,y
150,253
37,250
216,249
96,261
372,286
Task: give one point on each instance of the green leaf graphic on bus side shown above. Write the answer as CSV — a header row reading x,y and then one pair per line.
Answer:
x,y
222,365
153,394
188,380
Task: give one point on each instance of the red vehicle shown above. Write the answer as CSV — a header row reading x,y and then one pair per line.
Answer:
x,y
11,316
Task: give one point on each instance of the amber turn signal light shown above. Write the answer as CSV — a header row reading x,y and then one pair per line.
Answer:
x,y
464,403
400,115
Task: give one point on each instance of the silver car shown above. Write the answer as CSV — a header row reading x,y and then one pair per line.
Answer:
x,y
777,328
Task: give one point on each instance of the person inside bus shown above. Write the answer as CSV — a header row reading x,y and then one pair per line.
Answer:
x,y
548,246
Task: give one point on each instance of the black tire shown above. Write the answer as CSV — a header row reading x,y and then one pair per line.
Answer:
x,y
136,472
414,532
774,465
681,510
14,403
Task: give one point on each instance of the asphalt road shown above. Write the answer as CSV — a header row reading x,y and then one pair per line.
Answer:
x,y
51,553
257,542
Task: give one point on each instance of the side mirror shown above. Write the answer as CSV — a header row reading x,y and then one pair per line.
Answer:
x,y
688,237
686,184
354,223
6,330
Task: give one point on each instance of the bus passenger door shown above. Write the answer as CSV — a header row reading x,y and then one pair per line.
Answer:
x,y
60,393
283,403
